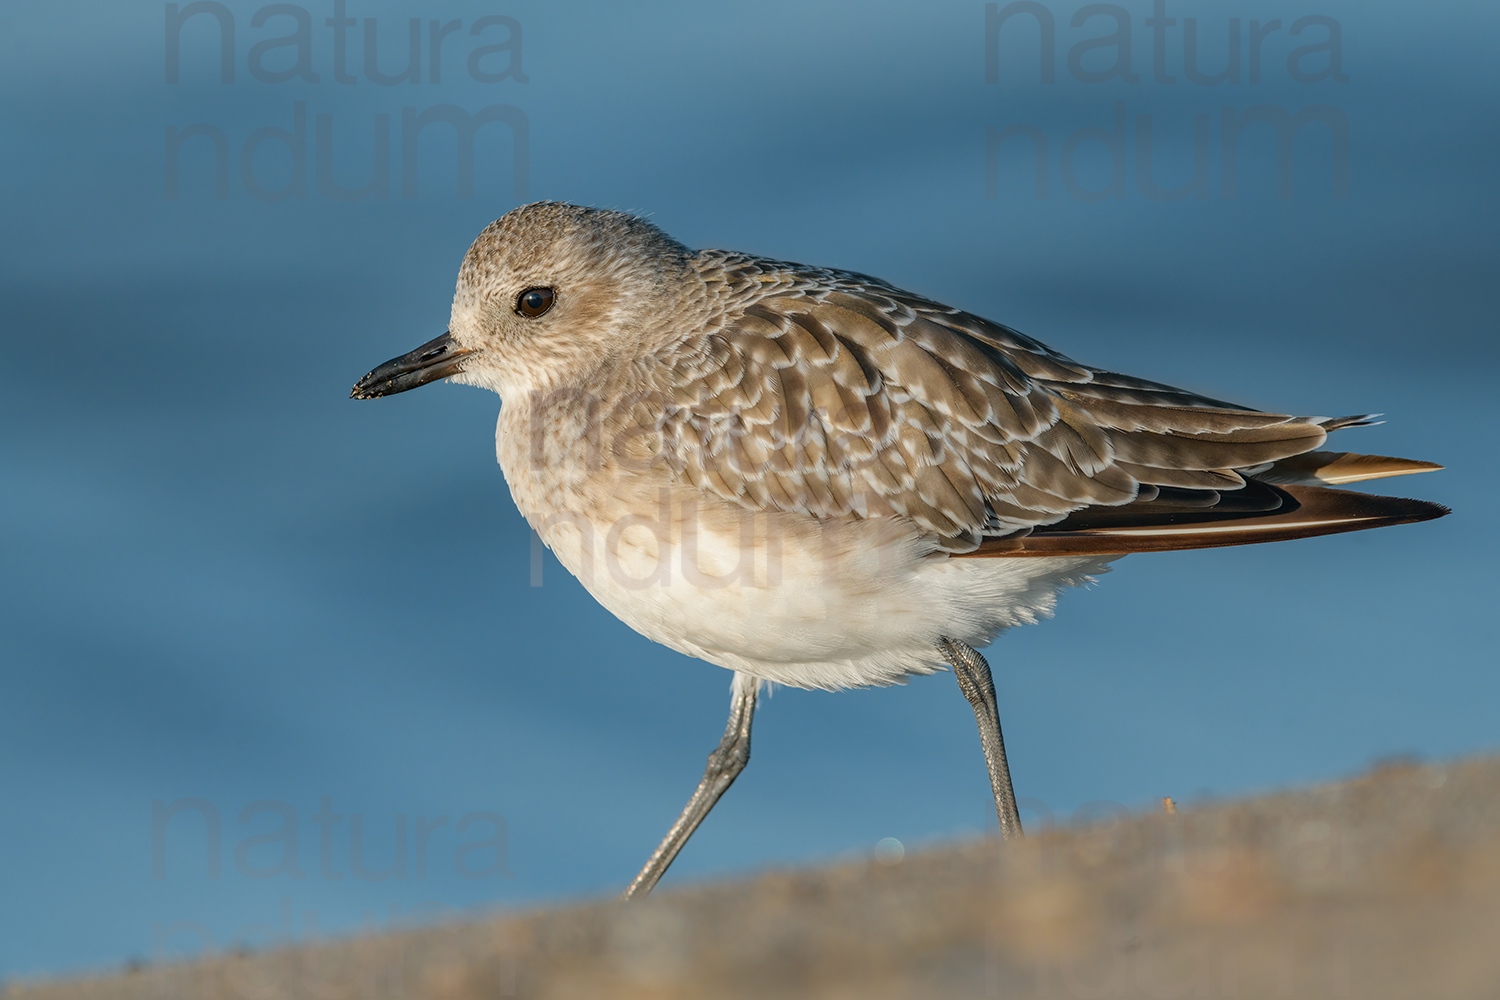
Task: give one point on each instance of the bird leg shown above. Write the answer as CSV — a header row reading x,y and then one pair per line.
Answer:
x,y
978,686
725,763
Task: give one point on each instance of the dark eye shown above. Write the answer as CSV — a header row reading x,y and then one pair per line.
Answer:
x,y
535,301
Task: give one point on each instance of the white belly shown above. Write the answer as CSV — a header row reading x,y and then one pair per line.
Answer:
x,y
795,601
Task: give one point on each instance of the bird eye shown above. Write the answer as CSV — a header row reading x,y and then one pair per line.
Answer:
x,y
535,301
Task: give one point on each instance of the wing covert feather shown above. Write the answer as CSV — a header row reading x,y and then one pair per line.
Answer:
x,y
835,395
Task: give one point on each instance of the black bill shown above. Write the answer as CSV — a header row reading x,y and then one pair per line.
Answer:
x,y
438,358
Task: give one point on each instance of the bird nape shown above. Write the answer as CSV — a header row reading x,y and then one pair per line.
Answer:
x,y
814,478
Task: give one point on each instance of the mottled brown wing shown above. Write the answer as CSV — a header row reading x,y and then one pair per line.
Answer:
x,y
837,395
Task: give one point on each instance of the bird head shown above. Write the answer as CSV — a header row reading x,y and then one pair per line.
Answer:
x,y
547,295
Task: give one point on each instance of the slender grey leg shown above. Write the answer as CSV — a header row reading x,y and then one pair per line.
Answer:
x,y
724,765
978,686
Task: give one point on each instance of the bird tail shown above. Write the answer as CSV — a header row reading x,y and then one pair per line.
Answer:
x,y
1281,499
1335,468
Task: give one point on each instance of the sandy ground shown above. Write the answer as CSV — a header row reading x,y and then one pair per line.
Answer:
x,y
1385,886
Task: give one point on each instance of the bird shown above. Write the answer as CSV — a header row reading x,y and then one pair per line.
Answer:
x,y
814,478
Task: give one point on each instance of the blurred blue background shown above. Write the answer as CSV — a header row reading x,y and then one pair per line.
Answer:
x,y
224,581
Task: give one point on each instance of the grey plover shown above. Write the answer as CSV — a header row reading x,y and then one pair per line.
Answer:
x,y
814,478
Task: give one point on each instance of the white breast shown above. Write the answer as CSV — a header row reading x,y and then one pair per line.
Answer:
x,y
790,599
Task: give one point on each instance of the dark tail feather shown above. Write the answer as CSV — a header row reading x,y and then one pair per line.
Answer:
x,y
1303,512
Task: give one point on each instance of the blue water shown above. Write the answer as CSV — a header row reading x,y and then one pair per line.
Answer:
x,y
227,585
